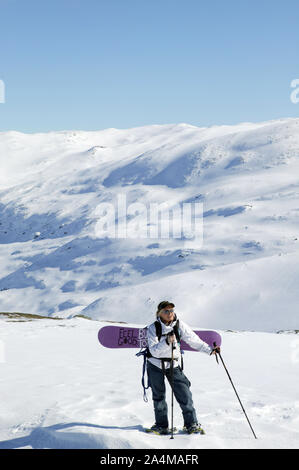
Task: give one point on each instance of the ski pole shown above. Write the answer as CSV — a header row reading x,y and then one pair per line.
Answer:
x,y
215,345
172,348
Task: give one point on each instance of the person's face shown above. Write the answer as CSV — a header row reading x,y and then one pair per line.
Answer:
x,y
167,314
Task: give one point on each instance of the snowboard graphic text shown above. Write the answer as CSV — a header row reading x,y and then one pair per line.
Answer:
x,y
133,336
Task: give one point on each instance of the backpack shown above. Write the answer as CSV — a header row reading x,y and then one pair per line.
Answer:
x,y
147,354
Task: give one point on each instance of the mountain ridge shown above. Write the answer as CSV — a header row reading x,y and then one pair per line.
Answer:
x,y
245,176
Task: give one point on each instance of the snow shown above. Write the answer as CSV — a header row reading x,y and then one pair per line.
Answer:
x,y
61,389
54,264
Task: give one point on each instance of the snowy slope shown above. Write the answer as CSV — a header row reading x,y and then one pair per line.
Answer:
x,y
242,277
61,389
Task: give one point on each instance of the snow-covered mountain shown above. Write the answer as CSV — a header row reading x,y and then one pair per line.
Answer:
x,y
243,276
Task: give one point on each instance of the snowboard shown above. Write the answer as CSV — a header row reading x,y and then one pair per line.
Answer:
x,y
129,337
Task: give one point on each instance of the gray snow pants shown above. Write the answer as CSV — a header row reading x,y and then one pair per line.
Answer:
x,y
181,390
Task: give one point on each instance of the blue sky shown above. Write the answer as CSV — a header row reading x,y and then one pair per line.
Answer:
x,y
93,64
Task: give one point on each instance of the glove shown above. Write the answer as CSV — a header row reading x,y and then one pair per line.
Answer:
x,y
170,338
215,350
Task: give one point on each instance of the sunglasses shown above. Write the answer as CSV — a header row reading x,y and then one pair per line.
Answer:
x,y
168,311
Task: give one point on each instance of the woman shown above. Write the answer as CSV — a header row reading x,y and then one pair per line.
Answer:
x,y
159,365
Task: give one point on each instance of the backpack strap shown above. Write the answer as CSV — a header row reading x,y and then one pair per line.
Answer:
x,y
144,354
158,329
176,330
